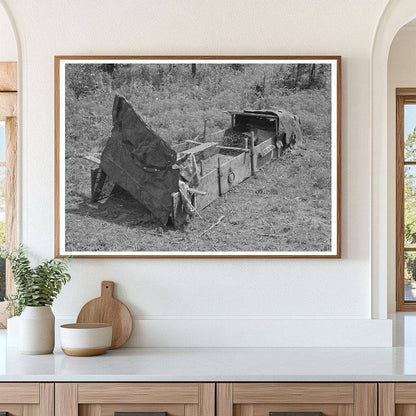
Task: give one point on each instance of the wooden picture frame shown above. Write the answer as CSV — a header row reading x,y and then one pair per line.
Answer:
x,y
164,95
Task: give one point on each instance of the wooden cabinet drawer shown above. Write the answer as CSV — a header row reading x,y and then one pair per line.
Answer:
x,y
105,399
27,399
331,399
397,399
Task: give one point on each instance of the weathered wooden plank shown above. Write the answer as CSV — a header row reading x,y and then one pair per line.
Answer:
x,y
203,151
235,171
234,149
180,147
216,133
179,215
92,159
264,153
209,184
98,180
252,155
259,148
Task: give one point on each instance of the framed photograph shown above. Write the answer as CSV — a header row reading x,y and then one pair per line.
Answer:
x,y
198,156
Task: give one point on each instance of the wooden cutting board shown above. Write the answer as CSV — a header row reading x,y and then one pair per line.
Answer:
x,y
107,309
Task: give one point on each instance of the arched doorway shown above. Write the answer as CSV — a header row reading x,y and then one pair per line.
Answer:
x,y
396,14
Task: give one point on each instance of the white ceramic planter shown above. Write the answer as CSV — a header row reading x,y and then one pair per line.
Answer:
x,y
37,330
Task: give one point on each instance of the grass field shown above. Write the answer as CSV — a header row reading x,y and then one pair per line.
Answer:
x,y
286,207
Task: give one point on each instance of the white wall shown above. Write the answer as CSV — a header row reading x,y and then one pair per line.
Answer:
x,y
179,302
401,74
8,47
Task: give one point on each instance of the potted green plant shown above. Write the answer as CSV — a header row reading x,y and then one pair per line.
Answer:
x,y
36,289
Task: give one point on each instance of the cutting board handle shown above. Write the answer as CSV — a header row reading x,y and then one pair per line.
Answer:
x,y
107,289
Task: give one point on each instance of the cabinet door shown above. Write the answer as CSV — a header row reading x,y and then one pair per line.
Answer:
x,y
297,399
397,399
26,399
144,399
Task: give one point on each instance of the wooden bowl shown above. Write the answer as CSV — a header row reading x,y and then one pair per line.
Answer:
x,y
84,340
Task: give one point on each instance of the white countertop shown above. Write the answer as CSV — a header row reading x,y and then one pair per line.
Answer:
x,y
222,364
213,364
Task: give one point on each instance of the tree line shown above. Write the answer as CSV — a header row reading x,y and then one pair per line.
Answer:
x,y
84,79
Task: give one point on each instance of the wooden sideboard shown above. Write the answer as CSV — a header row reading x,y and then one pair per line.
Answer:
x,y
208,399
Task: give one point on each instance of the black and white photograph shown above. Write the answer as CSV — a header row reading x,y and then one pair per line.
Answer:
x,y
197,156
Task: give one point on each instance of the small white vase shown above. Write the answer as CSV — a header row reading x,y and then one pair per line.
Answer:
x,y
37,330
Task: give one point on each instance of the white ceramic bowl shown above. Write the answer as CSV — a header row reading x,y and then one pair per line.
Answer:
x,y
83,340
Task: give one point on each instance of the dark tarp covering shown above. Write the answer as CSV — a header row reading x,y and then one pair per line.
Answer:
x,y
139,161
289,123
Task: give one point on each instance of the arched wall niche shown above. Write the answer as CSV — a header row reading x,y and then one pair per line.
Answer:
x,y
396,14
401,74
